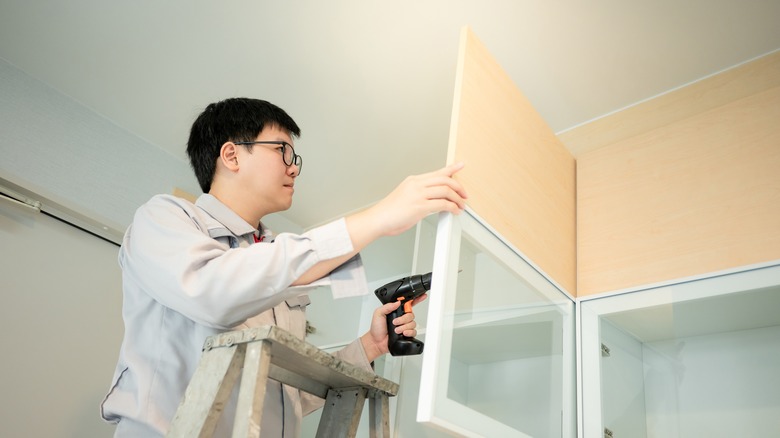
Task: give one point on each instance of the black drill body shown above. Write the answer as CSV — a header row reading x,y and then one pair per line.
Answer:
x,y
405,290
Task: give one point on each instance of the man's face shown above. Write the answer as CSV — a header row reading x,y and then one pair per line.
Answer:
x,y
268,180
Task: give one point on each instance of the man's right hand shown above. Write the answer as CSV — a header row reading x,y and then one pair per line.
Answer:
x,y
415,198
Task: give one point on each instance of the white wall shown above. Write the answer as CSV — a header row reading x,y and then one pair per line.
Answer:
x,y
61,322
60,326
62,150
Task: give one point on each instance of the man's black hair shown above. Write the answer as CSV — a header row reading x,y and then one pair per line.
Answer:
x,y
235,119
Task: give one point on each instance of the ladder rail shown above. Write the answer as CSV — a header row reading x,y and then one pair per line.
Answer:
x,y
251,393
206,394
341,413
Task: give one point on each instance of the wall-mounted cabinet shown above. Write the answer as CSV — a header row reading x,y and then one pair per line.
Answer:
x,y
505,354
698,358
694,358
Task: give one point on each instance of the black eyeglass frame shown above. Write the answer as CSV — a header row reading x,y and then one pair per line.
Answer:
x,y
294,159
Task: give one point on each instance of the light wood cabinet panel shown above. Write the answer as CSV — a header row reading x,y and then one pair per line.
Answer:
x,y
695,196
519,176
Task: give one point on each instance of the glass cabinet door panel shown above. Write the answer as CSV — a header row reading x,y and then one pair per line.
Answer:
x,y
499,357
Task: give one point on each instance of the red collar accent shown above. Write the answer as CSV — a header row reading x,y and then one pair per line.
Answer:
x,y
258,239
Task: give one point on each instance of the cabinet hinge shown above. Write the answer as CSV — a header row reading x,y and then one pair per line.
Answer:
x,y
604,351
607,433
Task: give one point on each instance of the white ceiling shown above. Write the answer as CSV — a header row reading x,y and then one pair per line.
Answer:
x,y
369,82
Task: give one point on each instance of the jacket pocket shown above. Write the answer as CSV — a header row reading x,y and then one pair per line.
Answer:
x,y
297,315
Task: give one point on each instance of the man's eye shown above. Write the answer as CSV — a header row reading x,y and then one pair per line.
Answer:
x,y
280,149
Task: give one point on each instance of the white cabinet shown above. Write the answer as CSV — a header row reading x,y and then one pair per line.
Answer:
x,y
499,355
696,358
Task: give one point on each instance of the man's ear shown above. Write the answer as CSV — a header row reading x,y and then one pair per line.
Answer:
x,y
228,155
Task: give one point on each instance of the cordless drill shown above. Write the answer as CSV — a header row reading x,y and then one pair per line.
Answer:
x,y
406,290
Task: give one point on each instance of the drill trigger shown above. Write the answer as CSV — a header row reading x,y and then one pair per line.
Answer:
x,y
407,305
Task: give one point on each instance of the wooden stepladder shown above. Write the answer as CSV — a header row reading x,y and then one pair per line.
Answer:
x,y
260,353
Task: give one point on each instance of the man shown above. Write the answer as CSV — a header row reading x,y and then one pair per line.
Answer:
x,y
192,271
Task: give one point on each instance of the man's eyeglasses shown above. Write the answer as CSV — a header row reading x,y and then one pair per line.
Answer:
x,y
288,153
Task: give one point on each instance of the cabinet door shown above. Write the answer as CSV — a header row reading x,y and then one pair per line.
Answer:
x,y
499,354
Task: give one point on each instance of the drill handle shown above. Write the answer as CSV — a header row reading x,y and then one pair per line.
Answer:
x,y
397,343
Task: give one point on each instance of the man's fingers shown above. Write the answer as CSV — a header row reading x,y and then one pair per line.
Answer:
x,y
388,308
404,323
445,193
444,178
452,169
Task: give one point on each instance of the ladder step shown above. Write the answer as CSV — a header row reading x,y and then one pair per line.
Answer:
x,y
270,352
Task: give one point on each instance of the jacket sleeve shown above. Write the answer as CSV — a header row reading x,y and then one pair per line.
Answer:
x,y
168,253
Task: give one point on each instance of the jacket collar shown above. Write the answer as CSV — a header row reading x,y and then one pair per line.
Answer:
x,y
232,223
